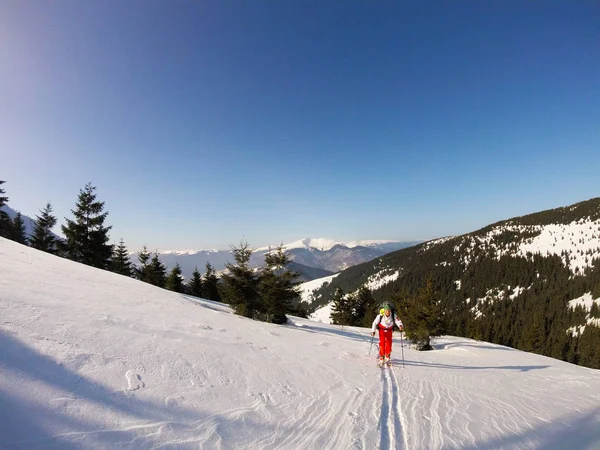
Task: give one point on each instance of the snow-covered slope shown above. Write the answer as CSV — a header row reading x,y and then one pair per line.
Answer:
x,y
577,243
90,359
306,289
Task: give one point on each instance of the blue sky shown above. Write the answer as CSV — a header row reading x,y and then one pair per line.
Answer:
x,y
205,123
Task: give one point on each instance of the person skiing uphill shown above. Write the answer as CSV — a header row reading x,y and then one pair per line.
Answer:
x,y
384,322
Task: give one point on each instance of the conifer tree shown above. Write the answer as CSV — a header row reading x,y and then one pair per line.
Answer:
x,y
142,272
422,317
42,238
340,310
120,260
210,288
157,272
278,286
5,225
364,307
533,335
174,280
195,287
17,230
595,311
240,285
86,236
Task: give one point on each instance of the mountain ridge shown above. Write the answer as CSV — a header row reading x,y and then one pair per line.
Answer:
x,y
326,254
526,268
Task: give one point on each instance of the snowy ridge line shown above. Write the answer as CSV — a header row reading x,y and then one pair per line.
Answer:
x,y
576,243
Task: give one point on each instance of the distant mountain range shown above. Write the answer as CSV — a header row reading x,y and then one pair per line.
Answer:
x,y
312,257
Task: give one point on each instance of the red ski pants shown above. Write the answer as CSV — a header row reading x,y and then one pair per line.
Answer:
x,y
385,341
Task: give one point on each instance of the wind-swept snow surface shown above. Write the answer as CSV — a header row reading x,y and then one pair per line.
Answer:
x,y
90,359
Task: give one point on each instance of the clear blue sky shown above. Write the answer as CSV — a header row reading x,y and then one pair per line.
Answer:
x,y
203,123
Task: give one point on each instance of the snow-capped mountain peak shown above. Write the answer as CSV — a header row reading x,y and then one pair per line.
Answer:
x,y
324,244
188,252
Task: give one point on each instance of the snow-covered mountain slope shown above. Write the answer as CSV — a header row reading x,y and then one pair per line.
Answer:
x,y
91,359
306,289
322,314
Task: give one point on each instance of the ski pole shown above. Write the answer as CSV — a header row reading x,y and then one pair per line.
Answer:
x,y
372,337
402,345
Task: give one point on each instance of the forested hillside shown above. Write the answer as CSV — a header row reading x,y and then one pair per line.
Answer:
x,y
531,282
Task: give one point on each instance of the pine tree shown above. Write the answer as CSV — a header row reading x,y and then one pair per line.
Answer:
x,y
120,260
340,310
363,308
174,281
5,224
240,285
142,272
278,286
17,231
157,272
595,311
210,287
42,238
422,317
86,236
195,287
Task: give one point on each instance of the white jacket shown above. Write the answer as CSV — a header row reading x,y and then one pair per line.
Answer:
x,y
386,322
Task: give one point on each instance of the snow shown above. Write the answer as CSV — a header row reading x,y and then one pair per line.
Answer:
x,y
427,245
186,252
380,279
516,292
585,301
91,359
307,289
365,243
577,238
323,314
321,244
580,240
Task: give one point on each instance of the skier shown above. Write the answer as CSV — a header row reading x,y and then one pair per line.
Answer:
x,y
385,323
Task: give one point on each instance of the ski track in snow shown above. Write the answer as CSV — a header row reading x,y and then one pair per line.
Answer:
x,y
392,436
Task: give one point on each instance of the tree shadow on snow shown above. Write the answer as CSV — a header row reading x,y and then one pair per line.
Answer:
x,y
452,366
27,423
476,344
208,304
348,333
572,431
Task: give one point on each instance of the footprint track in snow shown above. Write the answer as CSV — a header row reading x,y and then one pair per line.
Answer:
x,y
134,381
